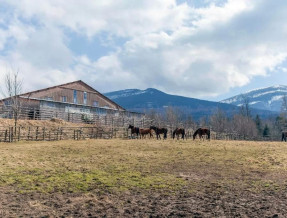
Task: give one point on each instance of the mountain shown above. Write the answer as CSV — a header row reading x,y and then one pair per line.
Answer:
x,y
144,100
269,98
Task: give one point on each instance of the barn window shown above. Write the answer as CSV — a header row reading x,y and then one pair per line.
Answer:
x,y
85,97
75,97
95,103
64,98
48,98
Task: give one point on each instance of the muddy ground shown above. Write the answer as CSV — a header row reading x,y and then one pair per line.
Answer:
x,y
137,204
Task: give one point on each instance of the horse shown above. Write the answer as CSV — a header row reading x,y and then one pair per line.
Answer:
x,y
144,132
177,132
159,131
134,130
201,132
284,136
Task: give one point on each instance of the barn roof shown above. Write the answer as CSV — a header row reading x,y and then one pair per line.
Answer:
x,y
65,84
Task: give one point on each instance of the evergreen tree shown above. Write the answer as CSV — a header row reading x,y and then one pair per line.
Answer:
x,y
258,124
266,131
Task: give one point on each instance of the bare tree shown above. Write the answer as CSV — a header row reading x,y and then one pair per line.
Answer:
x,y
244,126
245,107
11,92
219,121
283,114
172,116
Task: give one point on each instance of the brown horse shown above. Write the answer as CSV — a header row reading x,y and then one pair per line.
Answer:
x,y
201,132
177,132
284,135
144,132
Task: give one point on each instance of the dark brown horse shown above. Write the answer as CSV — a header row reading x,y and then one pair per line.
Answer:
x,y
159,131
201,132
144,132
134,130
284,135
177,132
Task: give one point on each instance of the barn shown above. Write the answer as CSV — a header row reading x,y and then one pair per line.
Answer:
x,y
75,102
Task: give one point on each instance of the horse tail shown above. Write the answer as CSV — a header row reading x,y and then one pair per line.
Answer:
x,y
208,134
195,133
183,133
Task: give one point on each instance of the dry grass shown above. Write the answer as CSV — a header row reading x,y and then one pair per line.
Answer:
x,y
82,166
143,166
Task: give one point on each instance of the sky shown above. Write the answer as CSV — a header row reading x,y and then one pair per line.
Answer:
x,y
207,49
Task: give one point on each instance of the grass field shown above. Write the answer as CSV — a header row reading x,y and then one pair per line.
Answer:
x,y
128,178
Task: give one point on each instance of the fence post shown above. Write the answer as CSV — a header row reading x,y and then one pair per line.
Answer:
x,y
58,134
44,134
19,133
12,134
28,133
6,134
37,132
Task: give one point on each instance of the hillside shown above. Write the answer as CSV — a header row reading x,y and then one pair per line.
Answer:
x,y
269,98
144,100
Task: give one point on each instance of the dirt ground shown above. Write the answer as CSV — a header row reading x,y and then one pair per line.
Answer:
x,y
150,204
143,178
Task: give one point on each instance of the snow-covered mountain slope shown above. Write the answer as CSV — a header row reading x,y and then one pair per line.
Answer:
x,y
269,98
145,100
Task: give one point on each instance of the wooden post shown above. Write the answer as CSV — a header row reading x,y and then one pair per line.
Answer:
x,y
19,133
112,127
44,134
37,132
12,134
28,133
58,134
61,132
6,134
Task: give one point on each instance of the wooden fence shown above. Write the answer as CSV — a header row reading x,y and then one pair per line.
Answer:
x,y
9,134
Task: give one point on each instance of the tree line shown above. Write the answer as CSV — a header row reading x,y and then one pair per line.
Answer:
x,y
241,122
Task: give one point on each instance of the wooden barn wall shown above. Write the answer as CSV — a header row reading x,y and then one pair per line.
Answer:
x,y
78,86
57,93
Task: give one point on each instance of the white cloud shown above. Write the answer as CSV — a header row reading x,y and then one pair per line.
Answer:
x,y
178,48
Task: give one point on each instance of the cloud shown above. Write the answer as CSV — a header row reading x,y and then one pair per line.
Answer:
x,y
197,50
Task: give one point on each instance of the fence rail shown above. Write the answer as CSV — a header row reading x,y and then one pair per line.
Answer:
x,y
103,118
